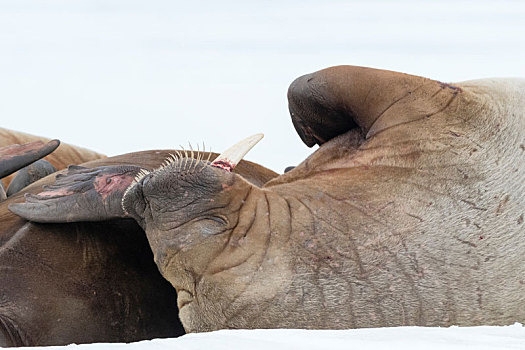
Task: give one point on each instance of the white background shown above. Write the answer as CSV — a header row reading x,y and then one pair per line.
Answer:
x,y
120,76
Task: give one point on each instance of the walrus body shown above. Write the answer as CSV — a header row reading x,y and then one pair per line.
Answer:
x,y
421,221
80,283
411,212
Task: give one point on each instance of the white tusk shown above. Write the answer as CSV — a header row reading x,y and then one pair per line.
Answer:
x,y
233,155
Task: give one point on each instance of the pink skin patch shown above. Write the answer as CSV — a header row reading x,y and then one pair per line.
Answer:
x,y
225,164
108,183
56,193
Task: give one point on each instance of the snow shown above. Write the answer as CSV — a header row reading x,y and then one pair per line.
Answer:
x,y
402,338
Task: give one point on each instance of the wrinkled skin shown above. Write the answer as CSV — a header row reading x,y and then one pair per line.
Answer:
x,y
410,213
86,282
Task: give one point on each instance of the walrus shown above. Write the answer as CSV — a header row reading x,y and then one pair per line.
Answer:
x,y
85,282
411,212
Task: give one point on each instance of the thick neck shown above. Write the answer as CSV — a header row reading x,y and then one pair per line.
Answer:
x,y
249,263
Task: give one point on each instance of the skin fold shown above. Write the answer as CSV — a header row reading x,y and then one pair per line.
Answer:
x,y
409,213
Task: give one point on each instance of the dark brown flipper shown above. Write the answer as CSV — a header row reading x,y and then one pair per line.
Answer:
x,y
15,157
29,174
82,194
332,101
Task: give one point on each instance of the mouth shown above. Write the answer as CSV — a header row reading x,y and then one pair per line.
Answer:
x,y
184,298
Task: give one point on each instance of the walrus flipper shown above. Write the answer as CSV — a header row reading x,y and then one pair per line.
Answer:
x,y
29,174
82,194
15,157
332,101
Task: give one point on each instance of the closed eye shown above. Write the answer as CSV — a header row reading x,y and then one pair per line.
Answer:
x,y
211,225
217,219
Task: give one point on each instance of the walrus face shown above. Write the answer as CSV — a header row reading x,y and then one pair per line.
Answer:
x,y
187,199
188,209
188,213
179,204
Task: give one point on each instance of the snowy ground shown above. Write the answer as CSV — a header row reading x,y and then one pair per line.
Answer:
x,y
402,338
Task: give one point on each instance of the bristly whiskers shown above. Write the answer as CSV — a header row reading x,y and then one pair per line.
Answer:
x,y
182,160
187,160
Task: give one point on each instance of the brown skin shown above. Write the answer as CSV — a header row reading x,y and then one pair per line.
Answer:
x,y
51,297
61,158
85,282
410,213
80,283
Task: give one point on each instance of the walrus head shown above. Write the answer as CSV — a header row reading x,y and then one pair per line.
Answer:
x,y
185,192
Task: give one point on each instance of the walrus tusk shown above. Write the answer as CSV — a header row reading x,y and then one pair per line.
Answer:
x,y
233,155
